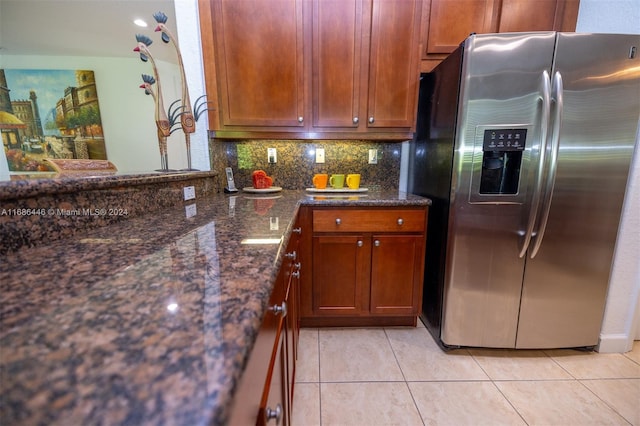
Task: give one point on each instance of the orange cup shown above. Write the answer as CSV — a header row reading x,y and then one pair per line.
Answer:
x,y
320,180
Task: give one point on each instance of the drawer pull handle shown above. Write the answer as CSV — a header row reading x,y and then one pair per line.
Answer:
x,y
291,255
338,221
360,243
400,221
295,274
279,309
297,230
376,243
274,414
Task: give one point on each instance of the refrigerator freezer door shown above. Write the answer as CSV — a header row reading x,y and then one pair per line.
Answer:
x,y
500,91
565,284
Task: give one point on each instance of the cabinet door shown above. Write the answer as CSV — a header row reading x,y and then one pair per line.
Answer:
x,y
451,21
337,62
393,64
259,62
290,276
396,274
538,15
274,408
340,274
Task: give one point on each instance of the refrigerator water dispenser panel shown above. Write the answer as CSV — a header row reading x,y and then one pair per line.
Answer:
x,y
501,161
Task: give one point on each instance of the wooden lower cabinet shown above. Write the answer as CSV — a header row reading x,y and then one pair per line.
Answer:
x,y
396,274
265,392
367,267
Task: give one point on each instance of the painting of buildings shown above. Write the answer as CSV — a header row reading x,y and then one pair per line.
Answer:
x,y
49,114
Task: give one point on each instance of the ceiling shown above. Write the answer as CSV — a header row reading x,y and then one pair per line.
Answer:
x,y
102,28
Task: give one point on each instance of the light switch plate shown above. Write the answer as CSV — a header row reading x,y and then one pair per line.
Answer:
x,y
319,155
373,156
190,210
189,193
272,155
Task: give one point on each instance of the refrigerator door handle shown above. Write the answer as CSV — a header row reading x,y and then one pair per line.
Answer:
x,y
557,97
545,96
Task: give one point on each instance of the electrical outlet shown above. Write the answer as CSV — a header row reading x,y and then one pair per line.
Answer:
x,y
272,155
190,210
319,155
373,156
189,193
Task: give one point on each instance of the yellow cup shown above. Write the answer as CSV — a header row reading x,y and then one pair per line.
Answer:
x,y
336,181
353,181
320,180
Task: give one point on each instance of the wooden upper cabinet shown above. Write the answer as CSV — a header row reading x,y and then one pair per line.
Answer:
x,y
538,15
446,23
451,21
393,64
258,61
312,69
337,58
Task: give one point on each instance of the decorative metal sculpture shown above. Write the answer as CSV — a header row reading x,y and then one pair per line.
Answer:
x,y
188,117
163,123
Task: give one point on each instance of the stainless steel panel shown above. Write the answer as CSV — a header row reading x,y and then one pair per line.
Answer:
x,y
500,87
565,284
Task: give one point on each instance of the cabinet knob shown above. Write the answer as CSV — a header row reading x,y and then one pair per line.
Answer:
x,y
400,221
360,243
279,309
376,243
355,120
291,255
338,221
297,265
295,274
371,120
276,414
300,119
297,230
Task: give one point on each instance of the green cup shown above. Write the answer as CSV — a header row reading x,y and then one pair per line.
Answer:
x,y
336,181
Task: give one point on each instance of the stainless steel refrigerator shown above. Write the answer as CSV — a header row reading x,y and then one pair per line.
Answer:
x,y
524,142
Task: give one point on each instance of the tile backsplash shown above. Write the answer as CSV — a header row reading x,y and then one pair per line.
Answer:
x,y
296,164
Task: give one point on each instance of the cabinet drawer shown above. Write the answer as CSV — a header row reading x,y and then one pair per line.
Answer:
x,y
336,220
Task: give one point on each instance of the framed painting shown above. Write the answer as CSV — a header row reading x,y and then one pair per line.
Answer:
x,y
49,114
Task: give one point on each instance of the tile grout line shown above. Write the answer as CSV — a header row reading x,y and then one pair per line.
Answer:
x,y
603,401
406,383
493,382
319,379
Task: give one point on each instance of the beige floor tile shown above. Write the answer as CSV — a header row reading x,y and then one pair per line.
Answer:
x,y
308,362
558,402
623,395
360,404
306,404
593,365
360,354
463,403
518,365
634,354
421,359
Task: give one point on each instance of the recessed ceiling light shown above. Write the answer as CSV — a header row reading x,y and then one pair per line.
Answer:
x,y
140,22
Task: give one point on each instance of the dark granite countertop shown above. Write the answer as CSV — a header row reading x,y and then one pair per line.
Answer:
x,y
33,184
149,320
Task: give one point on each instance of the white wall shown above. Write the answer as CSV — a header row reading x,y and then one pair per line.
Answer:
x,y
621,322
127,113
188,24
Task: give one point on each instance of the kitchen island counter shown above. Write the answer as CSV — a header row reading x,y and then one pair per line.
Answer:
x,y
149,320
